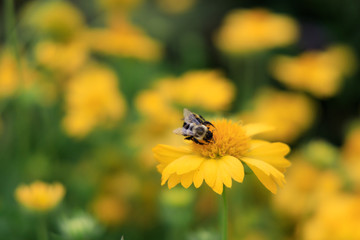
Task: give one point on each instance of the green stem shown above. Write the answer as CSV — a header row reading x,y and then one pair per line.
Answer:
x,y
11,34
42,229
224,216
9,13
248,80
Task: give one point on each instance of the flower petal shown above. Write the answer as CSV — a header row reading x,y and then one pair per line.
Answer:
x,y
266,180
233,167
187,179
182,165
166,154
174,180
255,143
267,174
263,166
272,153
160,167
225,176
218,185
209,171
256,128
198,178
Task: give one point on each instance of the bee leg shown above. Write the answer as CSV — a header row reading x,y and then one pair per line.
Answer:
x,y
189,138
208,123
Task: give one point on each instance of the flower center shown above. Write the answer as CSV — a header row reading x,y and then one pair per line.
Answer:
x,y
229,139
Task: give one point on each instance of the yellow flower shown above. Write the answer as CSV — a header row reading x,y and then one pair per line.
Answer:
x,y
351,147
319,72
351,156
158,106
336,218
14,75
246,31
160,117
221,161
40,196
289,113
157,109
92,98
207,89
59,19
65,57
124,39
305,189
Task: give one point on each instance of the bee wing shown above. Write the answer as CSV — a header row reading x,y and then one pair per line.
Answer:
x,y
190,117
183,131
178,131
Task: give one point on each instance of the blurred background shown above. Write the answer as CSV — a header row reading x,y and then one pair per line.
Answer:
x,y
88,88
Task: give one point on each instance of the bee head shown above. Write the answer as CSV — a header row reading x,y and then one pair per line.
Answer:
x,y
208,135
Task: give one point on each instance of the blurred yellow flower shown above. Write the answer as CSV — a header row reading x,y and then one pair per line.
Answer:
x,y
92,98
306,187
252,30
14,75
64,57
40,196
157,109
59,19
221,161
351,156
124,39
207,89
175,6
319,72
351,147
290,113
109,210
144,136
336,218
160,116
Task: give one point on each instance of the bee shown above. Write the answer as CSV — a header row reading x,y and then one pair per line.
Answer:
x,y
195,128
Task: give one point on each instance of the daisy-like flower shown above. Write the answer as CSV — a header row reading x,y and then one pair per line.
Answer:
x,y
40,196
221,161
